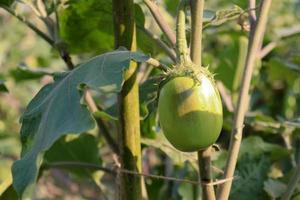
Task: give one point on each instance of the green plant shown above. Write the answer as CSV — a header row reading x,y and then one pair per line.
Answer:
x,y
108,98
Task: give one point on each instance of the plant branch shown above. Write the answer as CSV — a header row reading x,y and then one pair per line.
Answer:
x,y
295,178
160,20
30,25
156,63
161,44
243,100
197,7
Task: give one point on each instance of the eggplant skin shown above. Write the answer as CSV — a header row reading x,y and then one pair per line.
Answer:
x,y
190,112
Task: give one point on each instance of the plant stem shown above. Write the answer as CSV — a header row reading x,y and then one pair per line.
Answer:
x,y
204,159
181,44
197,7
295,178
243,100
160,20
129,138
204,156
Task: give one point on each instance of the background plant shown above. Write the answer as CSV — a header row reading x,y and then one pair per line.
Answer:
x,y
271,124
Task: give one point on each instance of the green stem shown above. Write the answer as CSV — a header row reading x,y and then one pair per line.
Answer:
x,y
129,138
197,7
181,44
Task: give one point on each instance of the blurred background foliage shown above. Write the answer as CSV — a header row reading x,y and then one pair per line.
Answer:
x,y
271,147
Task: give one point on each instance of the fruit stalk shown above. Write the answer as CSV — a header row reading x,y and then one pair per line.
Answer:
x,y
241,108
129,137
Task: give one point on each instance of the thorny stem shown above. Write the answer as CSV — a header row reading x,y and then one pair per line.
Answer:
x,y
236,135
163,25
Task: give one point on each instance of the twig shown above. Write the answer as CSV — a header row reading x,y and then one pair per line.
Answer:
x,y
236,135
295,178
226,96
30,25
156,63
269,47
170,52
163,25
197,7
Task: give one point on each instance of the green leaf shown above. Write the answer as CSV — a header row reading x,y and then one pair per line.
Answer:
x,y
223,16
9,194
23,73
6,2
255,146
279,69
83,29
3,87
251,174
56,110
274,188
148,94
76,149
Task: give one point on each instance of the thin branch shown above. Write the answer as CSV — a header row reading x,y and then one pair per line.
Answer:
x,y
197,7
295,178
226,96
29,24
156,63
160,20
272,45
161,44
243,100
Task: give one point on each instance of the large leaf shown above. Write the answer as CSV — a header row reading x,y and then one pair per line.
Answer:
x,y
76,149
56,110
87,25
